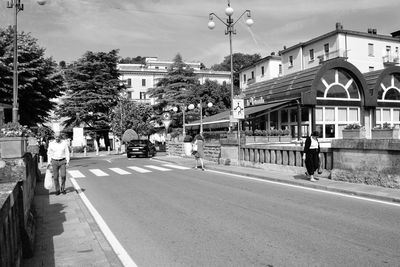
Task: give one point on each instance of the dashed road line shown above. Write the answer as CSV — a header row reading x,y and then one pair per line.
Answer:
x,y
98,172
119,171
157,168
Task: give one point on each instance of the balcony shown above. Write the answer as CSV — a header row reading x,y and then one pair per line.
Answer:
x,y
390,60
251,81
333,54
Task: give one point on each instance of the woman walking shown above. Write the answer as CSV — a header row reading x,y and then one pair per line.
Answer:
x,y
198,151
311,155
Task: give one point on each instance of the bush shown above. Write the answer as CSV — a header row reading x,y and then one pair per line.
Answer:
x,y
259,132
247,133
353,126
385,125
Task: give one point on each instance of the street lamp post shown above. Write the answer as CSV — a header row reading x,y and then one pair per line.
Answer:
x,y
16,4
183,108
230,23
200,105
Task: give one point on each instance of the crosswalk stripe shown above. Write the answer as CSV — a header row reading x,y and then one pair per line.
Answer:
x,y
138,169
119,171
76,174
98,172
176,167
157,168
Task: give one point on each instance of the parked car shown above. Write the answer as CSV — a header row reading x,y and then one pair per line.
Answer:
x,y
140,148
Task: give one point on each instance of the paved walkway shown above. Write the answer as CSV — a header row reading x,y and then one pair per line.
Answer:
x,y
67,234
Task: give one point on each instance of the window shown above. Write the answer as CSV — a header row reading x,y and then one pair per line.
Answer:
x,y
262,70
371,50
157,67
129,82
244,78
143,82
252,75
129,95
142,95
311,54
388,50
290,61
332,120
280,69
371,68
326,48
337,84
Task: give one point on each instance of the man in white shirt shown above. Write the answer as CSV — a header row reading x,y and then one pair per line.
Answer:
x,y
58,157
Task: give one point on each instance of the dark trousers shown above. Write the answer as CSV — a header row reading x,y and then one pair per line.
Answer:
x,y
59,169
312,161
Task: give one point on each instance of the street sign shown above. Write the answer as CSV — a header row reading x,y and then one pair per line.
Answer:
x,y
238,108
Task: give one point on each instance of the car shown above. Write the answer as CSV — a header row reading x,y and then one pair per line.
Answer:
x,y
141,147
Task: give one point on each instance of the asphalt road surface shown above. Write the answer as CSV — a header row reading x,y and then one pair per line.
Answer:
x,y
164,215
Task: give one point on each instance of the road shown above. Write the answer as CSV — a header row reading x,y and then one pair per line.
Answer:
x,y
165,216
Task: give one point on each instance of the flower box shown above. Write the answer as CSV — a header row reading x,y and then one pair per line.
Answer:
x,y
385,133
285,138
13,147
273,139
353,133
261,139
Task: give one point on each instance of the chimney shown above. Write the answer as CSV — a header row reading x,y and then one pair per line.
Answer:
x,y
339,26
272,53
372,31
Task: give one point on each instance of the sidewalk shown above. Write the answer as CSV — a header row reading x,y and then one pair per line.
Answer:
x,y
67,235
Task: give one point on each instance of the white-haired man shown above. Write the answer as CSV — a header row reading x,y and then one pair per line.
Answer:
x,y
58,157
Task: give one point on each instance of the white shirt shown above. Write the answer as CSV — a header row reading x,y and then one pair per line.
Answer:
x,y
58,151
314,144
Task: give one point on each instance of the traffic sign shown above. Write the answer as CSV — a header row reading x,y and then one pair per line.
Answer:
x,y
238,108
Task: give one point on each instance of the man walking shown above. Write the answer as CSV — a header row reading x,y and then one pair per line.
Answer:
x,y
58,157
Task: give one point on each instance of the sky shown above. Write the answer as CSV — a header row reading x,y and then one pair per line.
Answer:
x,y
164,28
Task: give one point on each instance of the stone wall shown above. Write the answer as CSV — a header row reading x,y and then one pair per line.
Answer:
x,y
212,151
368,161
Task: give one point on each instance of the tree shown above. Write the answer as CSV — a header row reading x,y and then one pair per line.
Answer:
x,y
93,89
136,60
132,115
39,79
240,61
175,87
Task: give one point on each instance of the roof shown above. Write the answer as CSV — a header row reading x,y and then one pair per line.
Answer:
x,y
339,31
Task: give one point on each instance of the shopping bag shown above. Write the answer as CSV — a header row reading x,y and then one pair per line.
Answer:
x,y
48,180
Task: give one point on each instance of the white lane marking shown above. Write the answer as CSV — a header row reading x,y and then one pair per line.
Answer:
x,y
307,188
76,174
176,167
98,172
117,247
138,169
157,168
119,171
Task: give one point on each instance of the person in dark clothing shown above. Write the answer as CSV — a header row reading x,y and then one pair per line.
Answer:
x,y
311,155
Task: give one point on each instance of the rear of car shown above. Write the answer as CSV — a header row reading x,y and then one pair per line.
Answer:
x,y
140,148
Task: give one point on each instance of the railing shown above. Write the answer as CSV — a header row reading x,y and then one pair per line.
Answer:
x,y
16,219
390,59
333,54
288,155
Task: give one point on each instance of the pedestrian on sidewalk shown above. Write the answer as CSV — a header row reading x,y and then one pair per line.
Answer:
x,y
58,158
198,151
311,155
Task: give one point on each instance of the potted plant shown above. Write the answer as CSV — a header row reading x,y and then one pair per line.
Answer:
x,y
273,135
187,145
384,131
284,136
14,140
260,136
353,131
249,135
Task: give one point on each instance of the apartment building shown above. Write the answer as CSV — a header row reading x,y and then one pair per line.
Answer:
x,y
264,69
139,78
368,51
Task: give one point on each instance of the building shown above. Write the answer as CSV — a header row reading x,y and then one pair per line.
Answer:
x,y
368,51
264,69
339,78
140,77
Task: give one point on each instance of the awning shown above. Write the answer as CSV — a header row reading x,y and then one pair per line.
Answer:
x,y
222,119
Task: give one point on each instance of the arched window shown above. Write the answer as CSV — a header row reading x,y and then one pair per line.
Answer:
x,y
390,88
339,85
